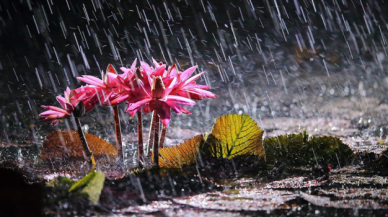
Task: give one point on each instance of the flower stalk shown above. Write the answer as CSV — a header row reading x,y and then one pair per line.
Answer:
x,y
156,127
140,147
145,89
88,152
119,143
151,134
162,136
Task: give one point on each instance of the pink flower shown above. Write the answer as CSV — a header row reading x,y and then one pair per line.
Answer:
x,y
158,99
188,88
107,91
145,89
108,82
128,73
158,71
88,95
54,113
131,78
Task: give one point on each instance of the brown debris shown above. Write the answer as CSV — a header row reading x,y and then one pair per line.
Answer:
x,y
183,154
61,144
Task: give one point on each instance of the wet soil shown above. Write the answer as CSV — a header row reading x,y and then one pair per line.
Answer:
x,y
338,90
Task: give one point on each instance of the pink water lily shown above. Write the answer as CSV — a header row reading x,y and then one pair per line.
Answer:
x,y
71,106
158,99
106,91
128,73
158,71
109,79
134,80
146,89
55,113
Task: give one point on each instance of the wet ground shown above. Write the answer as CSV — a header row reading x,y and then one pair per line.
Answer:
x,y
350,190
358,119
323,70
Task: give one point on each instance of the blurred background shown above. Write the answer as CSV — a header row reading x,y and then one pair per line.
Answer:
x,y
292,65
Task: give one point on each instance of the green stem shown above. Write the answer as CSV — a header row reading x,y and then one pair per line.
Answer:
x,y
162,137
156,141
119,143
151,134
140,147
88,152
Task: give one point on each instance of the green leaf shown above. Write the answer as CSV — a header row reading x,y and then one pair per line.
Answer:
x,y
82,182
234,135
300,150
90,185
60,183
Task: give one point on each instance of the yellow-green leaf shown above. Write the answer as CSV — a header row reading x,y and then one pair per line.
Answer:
x,y
82,182
234,135
61,182
183,154
91,185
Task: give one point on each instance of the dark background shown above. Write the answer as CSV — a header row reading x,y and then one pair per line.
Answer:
x,y
259,68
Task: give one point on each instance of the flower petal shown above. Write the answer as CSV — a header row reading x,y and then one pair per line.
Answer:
x,y
119,99
125,71
204,93
133,66
49,112
172,72
61,100
120,80
69,107
144,88
156,64
189,86
146,67
186,74
111,80
67,94
57,115
171,86
111,69
169,70
92,80
195,77
163,111
54,122
54,108
68,90
136,105
159,71
180,100
147,108
178,109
